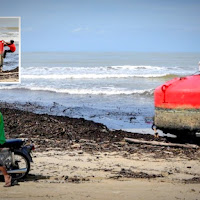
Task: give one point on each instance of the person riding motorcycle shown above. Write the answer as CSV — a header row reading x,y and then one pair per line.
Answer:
x,y
7,177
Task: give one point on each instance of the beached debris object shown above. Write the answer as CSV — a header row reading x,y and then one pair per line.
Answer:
x,y
127,173
76,179
177,106
156,143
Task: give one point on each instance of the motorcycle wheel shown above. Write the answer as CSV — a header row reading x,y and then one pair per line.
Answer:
x,y
21,162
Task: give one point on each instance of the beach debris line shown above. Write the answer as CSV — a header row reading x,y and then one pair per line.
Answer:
x,y
194,180
49,132
156,143
8,73
12,70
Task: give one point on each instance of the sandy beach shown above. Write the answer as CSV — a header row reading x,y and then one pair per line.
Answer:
x,y
78,175
80,159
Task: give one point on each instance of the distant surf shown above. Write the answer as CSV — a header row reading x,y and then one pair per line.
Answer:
x,y
106,72
97,76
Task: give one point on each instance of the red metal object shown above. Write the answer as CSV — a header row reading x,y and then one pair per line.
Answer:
x,y
179,93
1,47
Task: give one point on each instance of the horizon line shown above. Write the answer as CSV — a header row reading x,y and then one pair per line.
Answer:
x,y
110,51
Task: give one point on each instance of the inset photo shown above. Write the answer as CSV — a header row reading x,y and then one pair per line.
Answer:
x,y
10,49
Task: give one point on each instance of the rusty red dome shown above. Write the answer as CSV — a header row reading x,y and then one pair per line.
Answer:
x,y
177,105
179,93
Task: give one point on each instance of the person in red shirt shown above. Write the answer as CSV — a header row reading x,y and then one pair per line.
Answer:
x,y
11,45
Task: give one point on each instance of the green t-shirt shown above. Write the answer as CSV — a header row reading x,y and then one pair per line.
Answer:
x,y
2,133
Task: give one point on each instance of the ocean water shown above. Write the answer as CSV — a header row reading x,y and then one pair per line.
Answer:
x,y
113,88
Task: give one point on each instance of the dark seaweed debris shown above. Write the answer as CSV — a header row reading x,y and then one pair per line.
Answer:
x,y
127,173
192,180
47,132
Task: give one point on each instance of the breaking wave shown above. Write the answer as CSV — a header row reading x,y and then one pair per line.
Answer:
x,y
96,76
123,71
81,91
96,68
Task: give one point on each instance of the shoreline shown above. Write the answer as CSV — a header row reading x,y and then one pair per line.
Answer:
x,y
135,118
43,129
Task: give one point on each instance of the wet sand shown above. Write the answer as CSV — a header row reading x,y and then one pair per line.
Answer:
x,y
80,159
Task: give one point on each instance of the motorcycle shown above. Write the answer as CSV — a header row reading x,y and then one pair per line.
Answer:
x,y
16,157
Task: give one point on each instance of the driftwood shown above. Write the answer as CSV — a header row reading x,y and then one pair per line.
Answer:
x,y
156,143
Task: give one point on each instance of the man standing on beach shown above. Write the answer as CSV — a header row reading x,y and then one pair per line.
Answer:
x,y
11,45
7,177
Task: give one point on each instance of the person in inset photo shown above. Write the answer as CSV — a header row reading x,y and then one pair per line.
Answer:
x,y
10,49
11,45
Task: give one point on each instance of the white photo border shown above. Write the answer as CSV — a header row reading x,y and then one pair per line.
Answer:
x,y
17,82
